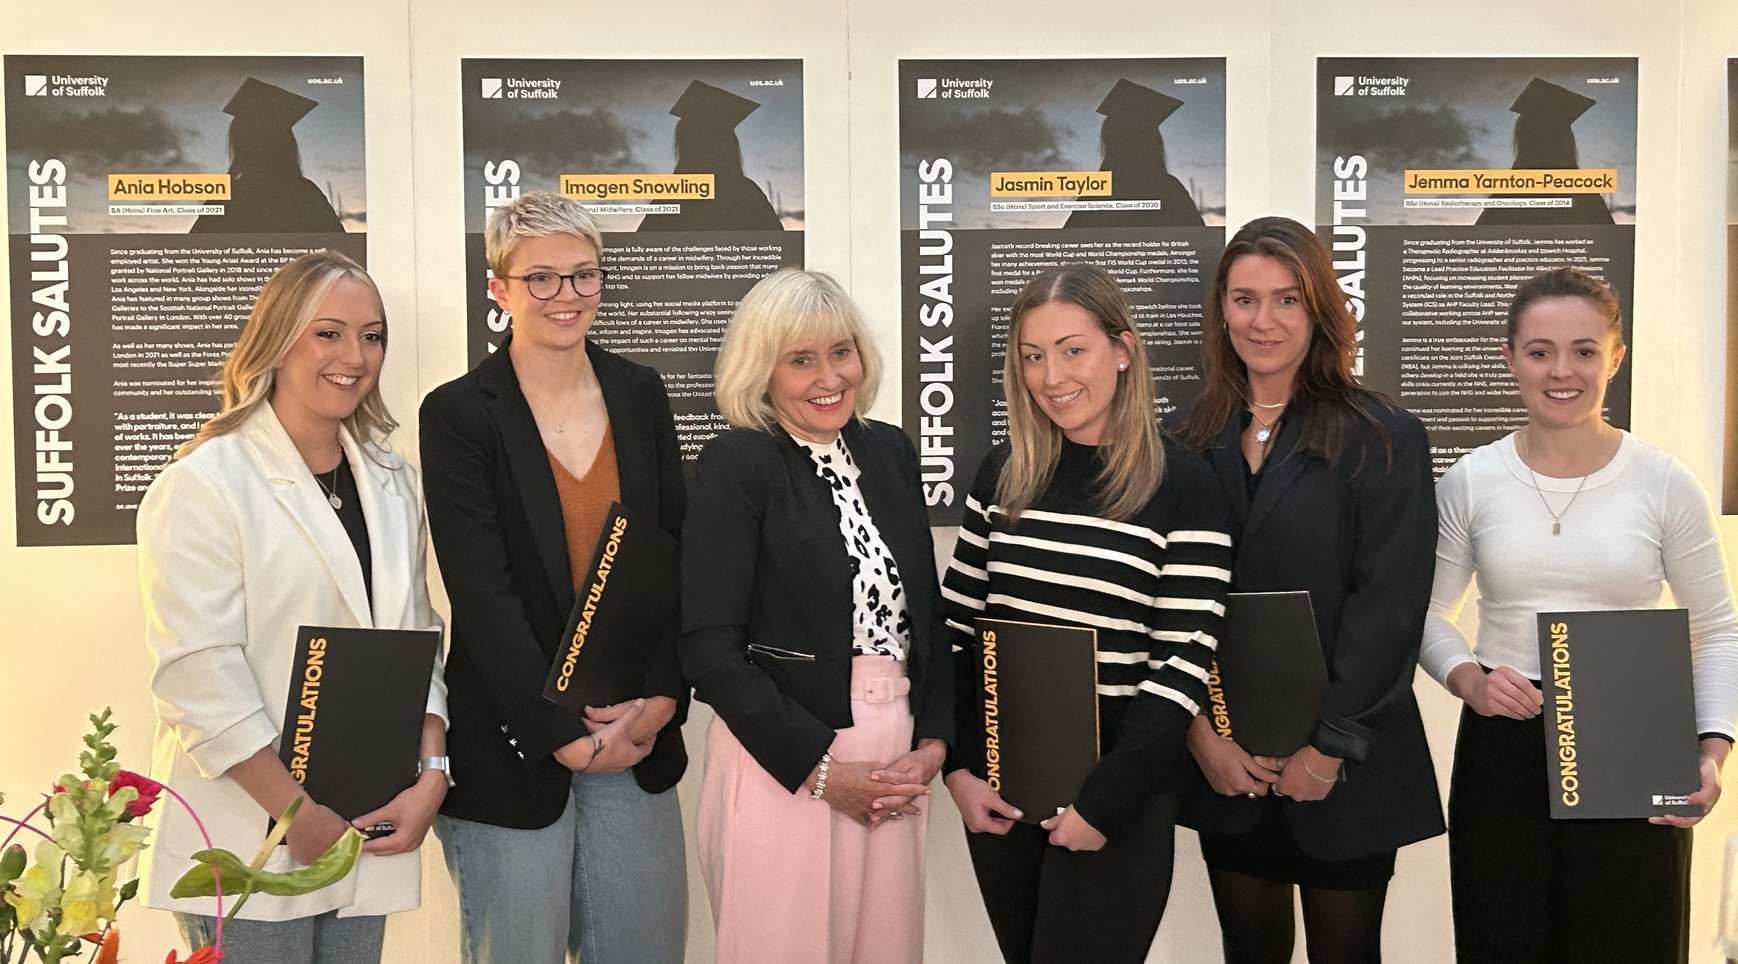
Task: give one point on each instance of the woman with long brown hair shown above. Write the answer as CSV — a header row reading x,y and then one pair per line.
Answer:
x,y
1088,516
1330,488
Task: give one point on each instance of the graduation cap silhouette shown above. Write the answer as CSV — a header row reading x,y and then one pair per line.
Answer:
x,y
256,100
703,102
1137,102
1547,101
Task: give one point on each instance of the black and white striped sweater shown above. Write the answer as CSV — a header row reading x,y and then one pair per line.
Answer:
x,y
1154,587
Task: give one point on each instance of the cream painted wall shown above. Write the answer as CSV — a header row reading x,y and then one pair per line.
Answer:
x,y
73,613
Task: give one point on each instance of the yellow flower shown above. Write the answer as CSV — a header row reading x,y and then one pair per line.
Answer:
x,y
35,892
83,904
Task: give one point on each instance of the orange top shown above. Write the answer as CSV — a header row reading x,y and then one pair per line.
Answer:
x,y
584,503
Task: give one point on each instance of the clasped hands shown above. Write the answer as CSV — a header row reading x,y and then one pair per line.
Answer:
x,y
1307,775
619,735
874,792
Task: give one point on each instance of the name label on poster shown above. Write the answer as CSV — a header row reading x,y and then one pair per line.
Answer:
x,y
149,187
638,187
1050,183
1532,181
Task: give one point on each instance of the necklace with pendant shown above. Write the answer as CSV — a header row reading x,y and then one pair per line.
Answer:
x,y
1556,517
331,490
1265,431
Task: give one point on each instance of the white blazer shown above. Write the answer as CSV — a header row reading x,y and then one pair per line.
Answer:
x,y
237,548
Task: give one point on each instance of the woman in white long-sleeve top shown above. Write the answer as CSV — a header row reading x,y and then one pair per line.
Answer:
x,y
1568,514
287,509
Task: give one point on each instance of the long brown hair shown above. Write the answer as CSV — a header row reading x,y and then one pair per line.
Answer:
x,y
1326,398
1132,458
283,310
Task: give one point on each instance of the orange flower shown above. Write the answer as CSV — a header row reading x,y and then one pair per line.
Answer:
x,y
110,951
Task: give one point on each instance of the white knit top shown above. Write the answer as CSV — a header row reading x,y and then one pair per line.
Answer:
x,y
1641,522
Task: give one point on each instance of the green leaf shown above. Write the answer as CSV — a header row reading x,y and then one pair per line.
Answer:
x,y
237,876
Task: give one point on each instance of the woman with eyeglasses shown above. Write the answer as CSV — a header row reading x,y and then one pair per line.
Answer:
x,y
563,834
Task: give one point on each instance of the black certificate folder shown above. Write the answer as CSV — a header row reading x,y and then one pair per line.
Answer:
x,y
624,617
1266,687
353,723
1620,717
1038,700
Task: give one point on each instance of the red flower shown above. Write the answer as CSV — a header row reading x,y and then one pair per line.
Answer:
x,y
148,788
205,955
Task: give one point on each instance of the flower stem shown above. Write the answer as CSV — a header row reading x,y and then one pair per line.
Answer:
x,y
21,824
216,878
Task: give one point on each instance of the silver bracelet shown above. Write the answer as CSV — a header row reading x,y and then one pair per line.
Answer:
x,y
821,775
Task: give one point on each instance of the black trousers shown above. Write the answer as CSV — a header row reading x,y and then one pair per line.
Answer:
x,y
1528,888
1051,904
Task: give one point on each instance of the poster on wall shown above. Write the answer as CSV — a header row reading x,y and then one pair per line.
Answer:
x,y
148,200
1010,167
1729,477
694,171
1441,184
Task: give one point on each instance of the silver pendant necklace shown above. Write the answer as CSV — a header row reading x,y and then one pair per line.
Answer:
x,y
1265,431
1556,517
331,491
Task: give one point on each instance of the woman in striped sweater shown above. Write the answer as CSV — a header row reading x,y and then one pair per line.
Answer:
x,y
1086,516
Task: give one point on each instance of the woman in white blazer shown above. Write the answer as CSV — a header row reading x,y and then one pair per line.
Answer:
x,y
287,509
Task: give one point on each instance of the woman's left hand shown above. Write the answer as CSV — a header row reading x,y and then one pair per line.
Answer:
x,y
1306,776
410,812
1069,829
1714,752
918,766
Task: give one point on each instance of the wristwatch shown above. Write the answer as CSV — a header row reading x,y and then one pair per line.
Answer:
x,y
437,763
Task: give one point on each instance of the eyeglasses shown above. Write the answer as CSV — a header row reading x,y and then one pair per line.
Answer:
x,y
545,285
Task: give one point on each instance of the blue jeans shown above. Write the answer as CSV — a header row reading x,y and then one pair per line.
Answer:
x,y
607,883
322,939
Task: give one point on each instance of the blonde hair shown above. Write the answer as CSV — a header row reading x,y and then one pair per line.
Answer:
x,y
788,307
280,314
535,214
1131,454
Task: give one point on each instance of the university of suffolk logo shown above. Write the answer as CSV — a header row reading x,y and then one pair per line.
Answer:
x,y
926,88
1670,799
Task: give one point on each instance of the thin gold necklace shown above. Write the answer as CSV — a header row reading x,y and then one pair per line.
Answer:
x,y
1557,517
1265,432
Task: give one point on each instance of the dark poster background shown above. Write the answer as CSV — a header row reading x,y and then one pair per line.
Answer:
x,y
117,337
1158,231
677,268
1435,270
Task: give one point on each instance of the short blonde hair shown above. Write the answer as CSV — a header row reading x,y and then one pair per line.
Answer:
x,y
283,310
535,214
787,307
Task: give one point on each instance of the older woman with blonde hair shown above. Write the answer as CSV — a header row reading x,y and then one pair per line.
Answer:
x,y
286,509
812,624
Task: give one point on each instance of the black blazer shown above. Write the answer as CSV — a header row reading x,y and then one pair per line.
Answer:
x,y
766,592
1363,543
495,519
